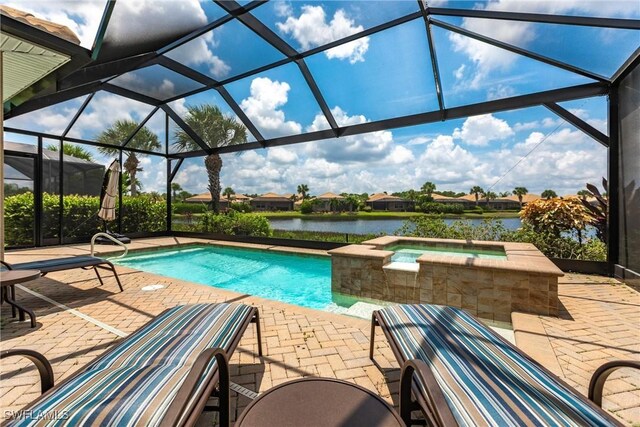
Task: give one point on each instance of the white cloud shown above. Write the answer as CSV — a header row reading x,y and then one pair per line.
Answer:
x,y
480,130
311,29
282,8
419,140
372,146
200,52
487,58
282,156
263,107
103,110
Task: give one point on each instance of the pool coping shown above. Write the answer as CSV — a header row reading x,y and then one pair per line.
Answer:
x,y
521,257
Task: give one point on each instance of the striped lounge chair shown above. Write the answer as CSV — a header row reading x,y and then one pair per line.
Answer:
x,y
161,375
462,373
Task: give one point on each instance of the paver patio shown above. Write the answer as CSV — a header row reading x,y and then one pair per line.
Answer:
x,y
599,321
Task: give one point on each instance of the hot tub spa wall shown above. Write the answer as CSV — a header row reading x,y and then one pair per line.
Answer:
x,y
491,289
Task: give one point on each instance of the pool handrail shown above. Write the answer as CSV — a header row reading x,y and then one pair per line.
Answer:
x,y
113,239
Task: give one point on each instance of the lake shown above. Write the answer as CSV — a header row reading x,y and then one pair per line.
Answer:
x,y
362,226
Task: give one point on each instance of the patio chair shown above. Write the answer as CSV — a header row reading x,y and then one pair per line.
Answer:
x,y
463,373
85,262
161,375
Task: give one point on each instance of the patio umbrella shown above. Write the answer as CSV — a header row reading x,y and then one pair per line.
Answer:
x,y
109,193
108,197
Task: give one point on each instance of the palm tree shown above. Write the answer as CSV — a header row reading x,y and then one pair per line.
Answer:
x,y
489,195
303,189
477,190
216,130
72,150
133,184
428,188
117,134
549,194
228,192
175,187
520,192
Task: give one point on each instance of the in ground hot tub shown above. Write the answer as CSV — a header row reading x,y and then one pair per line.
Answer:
x,y
410,252
488,279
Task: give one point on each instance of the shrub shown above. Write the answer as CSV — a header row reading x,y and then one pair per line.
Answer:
x,y
241,207
441,208
549,243
79,216
367,209
182,208
556,215
235,224
306,207
142,213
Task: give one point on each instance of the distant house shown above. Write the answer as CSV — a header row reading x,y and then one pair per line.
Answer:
x,y
206,198
326,202
385,202
272,202
439,198
500,203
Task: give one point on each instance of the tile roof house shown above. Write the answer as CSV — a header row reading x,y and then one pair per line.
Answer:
x,y
326,202
385,202
273,202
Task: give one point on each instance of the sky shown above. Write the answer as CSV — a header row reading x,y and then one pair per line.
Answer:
x,y
381,76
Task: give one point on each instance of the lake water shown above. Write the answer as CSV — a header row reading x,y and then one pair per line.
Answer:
x,y
362,226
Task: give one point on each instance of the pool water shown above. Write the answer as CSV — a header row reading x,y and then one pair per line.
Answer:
x,y
409,253
295,279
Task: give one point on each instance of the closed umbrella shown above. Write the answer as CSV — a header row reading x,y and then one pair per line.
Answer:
x,y
108,198
109,193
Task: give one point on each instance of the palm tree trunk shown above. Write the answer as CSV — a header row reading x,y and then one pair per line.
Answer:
x,y
213,163
131,166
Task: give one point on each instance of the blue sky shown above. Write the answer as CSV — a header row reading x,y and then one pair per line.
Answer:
x,y
382,76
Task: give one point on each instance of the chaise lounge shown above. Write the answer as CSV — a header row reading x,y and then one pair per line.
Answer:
x,y
85,262
463,373
161,375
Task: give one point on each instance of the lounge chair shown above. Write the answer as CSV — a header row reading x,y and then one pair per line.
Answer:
x,y
161,375
85,262
463,373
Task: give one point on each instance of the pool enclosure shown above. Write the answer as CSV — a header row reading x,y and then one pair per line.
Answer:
x,y
148,65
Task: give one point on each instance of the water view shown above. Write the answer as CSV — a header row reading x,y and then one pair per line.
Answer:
x,y
362,226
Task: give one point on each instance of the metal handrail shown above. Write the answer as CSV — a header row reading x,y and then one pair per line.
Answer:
x,y
113,239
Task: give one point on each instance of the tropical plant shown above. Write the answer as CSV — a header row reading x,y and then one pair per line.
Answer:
x,y
489,195
428,188
504,194
304,190
72,150
133,184
228,192
520,192
548,194
477,190
555,216
599,210
306,207
216,130
584,193
117,134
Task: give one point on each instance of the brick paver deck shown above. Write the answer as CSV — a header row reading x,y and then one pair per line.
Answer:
x,y
297,341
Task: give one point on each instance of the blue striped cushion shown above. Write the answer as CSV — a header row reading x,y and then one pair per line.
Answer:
x,y
134,383
485,380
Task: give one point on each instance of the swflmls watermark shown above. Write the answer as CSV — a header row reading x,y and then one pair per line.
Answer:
x,y
29,414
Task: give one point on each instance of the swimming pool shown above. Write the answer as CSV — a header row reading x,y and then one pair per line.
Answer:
x,y
302,280
409,253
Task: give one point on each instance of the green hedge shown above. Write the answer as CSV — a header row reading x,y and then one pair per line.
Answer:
x,y
79,216
441,208
231,223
